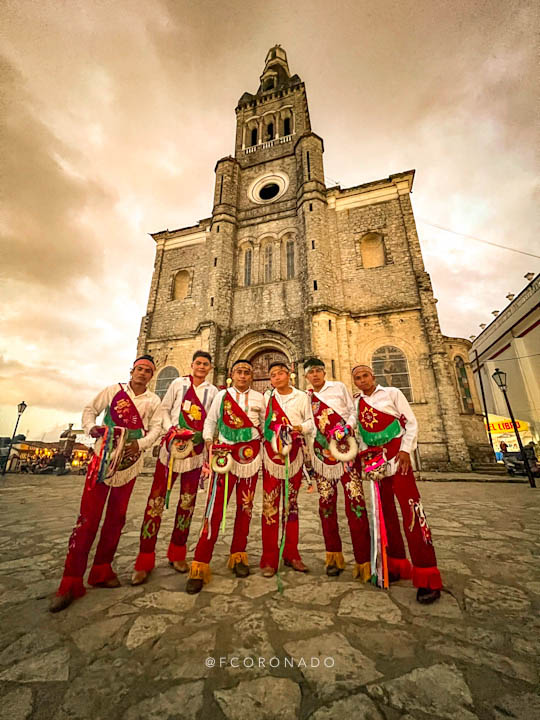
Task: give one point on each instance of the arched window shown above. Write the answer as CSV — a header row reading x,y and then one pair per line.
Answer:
x,y
463,385
287,126
372,250
181,285
247,267
391,370
253,138
290,259
164,379
268,263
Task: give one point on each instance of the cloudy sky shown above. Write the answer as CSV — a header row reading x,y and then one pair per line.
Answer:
x,y
115,113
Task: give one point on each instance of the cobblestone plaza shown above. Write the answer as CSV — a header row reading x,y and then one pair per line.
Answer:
x,y
326,648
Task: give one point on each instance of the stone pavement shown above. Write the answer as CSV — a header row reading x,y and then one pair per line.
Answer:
x,y
140,652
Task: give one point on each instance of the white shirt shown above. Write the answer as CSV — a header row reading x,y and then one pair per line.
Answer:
x,y
174,397
251,402
297,407
336,395
392,401
147,404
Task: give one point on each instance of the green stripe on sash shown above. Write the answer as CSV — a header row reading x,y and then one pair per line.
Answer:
x,y
380,438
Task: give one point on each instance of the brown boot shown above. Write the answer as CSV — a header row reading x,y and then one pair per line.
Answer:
x,y
426,596
139,577
297,565
268,572
61,602
180,566
113,582
194,586
241,570
333,570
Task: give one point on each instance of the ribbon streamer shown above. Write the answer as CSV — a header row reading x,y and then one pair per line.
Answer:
x,y
225,499
284,520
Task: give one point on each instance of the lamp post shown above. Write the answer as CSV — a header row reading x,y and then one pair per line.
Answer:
x,y
500,380
21,407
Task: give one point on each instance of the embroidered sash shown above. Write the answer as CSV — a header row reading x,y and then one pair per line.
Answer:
x,y
378,428
325,419
233,423
275,462
245,458
123,425
236,427
192,416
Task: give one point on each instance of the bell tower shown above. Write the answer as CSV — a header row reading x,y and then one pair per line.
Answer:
x,y
275,116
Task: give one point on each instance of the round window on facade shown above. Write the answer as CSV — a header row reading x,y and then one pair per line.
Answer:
x,y
268,192
268,188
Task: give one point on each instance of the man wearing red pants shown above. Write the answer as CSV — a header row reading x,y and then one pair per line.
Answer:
x,y
184,408
131,424
288,418
335,416
385,420
237,414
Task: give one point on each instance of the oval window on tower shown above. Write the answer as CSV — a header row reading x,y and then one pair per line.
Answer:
x,y
268,188
267,192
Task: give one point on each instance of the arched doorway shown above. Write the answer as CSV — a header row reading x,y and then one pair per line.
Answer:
x,y
261,362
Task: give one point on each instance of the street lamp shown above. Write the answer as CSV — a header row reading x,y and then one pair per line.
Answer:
x,y
500,380
21,407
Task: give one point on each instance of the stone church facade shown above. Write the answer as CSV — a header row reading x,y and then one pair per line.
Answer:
x,y
286,267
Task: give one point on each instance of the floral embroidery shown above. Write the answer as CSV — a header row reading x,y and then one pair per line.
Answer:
x,y
233,419
80,522
417,511
292,505
183,521
323,420
195,412
354,488
270,508
369,417
358,510
156,506
328,511
247,501
326,488
150,528
186,500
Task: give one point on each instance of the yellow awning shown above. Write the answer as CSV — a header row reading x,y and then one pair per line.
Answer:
x,y
500,424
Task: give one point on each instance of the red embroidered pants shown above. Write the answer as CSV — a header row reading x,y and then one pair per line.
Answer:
x,y
355,509
84,533
189,484
424,563
245,493
272,488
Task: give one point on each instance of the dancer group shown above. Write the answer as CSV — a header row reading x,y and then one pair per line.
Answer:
x,y
223,438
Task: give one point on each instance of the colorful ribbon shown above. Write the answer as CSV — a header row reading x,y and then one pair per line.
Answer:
x,y
284,520
225,498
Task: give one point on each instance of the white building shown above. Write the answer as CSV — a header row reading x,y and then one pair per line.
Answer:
x,y
511,342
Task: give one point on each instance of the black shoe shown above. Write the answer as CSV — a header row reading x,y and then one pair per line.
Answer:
x,y
241,570
61,602
426,596
333,570
194,586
